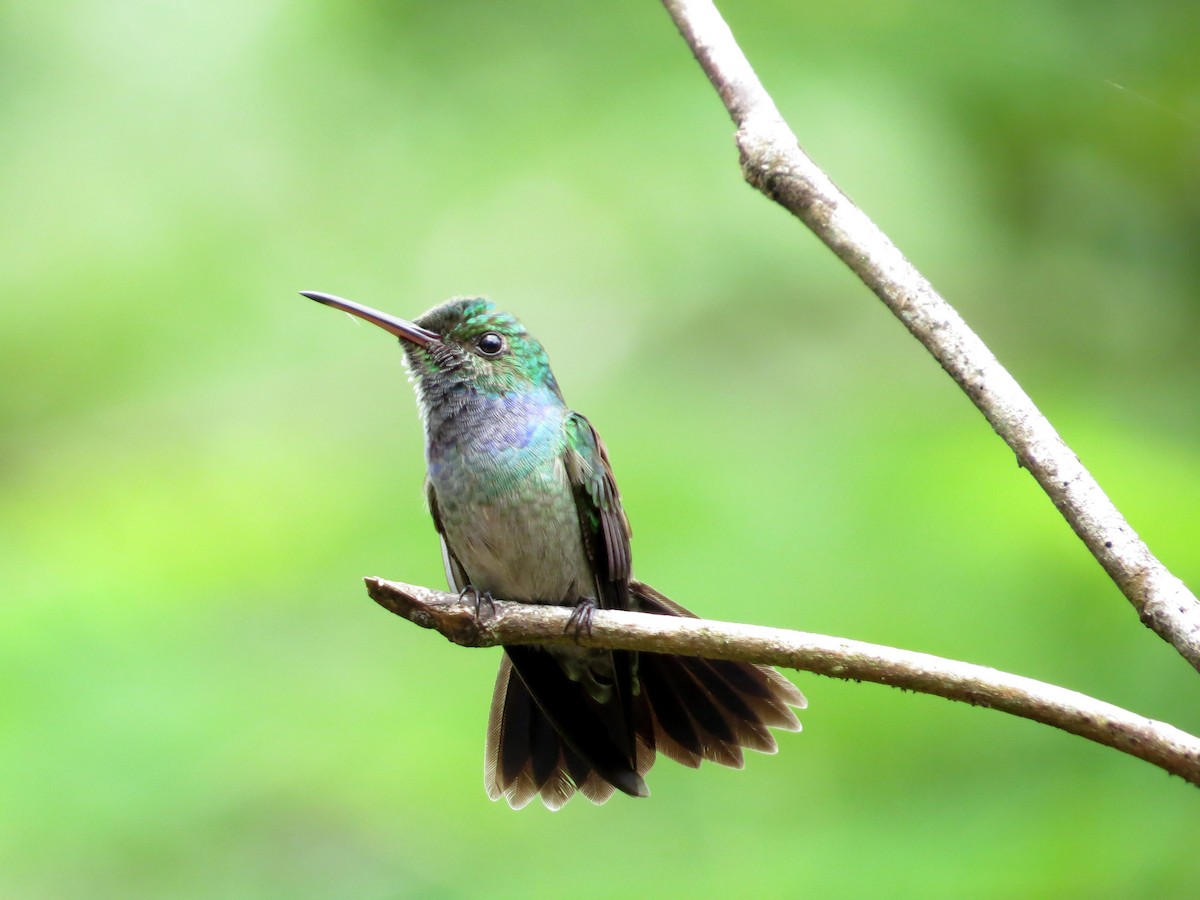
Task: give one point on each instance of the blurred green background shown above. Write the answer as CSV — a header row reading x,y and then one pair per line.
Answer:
x,y
197,466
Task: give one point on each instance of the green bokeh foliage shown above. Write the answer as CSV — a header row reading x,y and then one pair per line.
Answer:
x,y
197,466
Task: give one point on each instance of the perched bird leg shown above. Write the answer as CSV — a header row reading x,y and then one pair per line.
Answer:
x,y
581,618
481,599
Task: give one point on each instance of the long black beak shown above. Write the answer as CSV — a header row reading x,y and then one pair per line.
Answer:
x,y
406,331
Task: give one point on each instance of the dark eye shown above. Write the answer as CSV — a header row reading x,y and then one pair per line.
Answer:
x,y
490,343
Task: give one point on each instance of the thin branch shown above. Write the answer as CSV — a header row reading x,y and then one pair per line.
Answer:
x,y
1163,745
773,162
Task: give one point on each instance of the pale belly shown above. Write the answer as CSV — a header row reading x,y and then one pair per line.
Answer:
x,y
519,543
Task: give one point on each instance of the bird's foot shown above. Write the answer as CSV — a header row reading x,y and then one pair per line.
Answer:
x,y
481,599
581,618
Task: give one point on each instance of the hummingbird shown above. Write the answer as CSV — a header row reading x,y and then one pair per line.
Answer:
x,y
523,499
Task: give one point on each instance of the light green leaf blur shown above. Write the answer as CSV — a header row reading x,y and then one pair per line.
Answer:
x,y
197,466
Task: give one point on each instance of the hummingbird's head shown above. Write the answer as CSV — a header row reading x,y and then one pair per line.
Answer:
x,y
464,343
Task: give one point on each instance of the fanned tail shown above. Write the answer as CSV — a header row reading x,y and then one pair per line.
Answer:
x,y
526,755
547,737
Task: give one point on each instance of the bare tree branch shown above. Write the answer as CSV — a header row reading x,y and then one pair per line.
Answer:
x,y
1163,745
773,162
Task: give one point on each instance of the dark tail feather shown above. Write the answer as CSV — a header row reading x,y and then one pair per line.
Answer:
x,y
597,732
557,739
711,708
554,738
753,698
524,756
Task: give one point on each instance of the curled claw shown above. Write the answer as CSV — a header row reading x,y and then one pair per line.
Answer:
x,y
481,599
581,618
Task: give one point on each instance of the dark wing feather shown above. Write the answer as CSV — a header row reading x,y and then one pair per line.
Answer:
x,y
605,532
602,521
